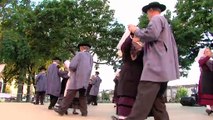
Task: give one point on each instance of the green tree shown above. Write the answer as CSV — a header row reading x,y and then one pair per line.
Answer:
x,y
195,18
15,47
143,21
63,24
32,34
105,95
196,13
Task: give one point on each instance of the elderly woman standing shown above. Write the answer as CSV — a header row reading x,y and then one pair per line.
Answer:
x,y
132,57
205,90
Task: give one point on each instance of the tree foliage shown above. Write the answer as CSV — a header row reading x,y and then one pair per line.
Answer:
x,y
195,18
62,25
15,47
105,95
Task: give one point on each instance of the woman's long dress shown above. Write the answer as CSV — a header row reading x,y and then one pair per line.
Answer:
x,y
129,78
205,87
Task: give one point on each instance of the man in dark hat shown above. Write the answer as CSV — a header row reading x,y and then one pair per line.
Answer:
x,y
160,64
80,70
41,85
84,44
93,94
54,81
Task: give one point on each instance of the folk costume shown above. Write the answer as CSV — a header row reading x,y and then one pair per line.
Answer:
x,y
160,62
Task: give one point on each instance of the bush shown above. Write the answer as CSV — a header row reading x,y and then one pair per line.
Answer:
x,y
181,92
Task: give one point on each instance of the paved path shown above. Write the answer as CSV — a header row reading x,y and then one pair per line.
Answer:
x,y
28,111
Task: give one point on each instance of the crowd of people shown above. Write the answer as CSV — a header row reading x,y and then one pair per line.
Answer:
x,y
150,61
146,54
67,87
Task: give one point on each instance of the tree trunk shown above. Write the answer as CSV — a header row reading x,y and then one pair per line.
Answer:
x,y
4,87
20,85
33,80
20,90
28,88
1,84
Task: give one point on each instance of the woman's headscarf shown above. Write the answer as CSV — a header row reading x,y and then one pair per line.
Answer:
x,y
200,54
137,46
123,38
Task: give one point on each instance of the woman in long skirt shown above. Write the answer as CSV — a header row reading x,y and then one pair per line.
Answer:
x,y
132,57
205,88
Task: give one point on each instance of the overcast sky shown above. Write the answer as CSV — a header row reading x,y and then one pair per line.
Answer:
x,y
128,11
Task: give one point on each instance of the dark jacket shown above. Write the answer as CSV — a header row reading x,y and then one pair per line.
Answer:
x,y
130,71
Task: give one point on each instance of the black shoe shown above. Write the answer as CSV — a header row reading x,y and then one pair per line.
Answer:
x,y
114,118
75,113
84,115
35,103
50,108
209,112
58,111
66,113
94,104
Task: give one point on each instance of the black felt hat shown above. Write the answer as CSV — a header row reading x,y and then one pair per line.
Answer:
x,y
162,7
56,58
84,44
42,68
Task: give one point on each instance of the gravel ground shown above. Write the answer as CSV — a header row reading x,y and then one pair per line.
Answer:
x,y
28,111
